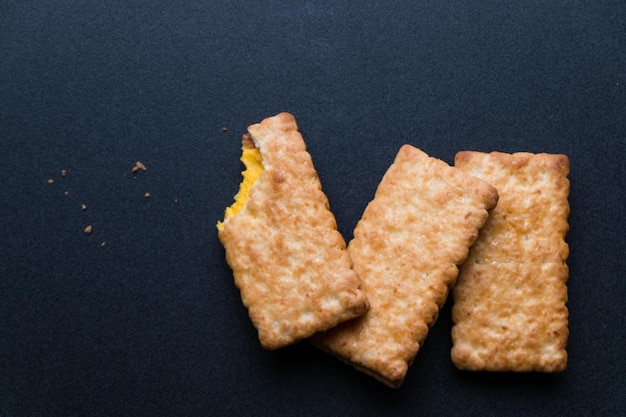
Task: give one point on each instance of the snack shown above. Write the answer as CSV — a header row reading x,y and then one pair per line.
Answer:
x,y
281,240
509,308
406,248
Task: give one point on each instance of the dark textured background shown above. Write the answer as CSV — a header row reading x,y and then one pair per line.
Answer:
x,y
150,323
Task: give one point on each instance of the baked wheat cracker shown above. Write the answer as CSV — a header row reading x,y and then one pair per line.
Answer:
x,y
509,308
288,259
406,248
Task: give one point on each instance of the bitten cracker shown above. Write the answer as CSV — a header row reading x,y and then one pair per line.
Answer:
x,y
509,308
281,240
406,248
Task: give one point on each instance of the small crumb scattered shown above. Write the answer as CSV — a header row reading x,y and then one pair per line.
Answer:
x,y
66,193
103,244
63,173
83,206
147,195
88,229
225,129
51,181
175,199
138,166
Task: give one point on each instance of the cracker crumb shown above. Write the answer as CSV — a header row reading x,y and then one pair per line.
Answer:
x,y
225,129
63,173
51,181
88,229
147,195
138,166
83,206
103,244
66,193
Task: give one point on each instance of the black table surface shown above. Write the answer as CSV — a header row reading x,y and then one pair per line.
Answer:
x,y
141,317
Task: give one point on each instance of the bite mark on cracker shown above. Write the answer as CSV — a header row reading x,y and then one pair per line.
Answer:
x,y
288,259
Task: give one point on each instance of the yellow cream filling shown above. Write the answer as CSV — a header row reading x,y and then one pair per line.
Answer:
x,y
251,158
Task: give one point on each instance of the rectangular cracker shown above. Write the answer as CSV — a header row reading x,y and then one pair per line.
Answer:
x,y
424,217
288,258
510,300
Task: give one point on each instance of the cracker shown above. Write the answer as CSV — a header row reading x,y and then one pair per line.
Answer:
x,y
406,248
509,309
288,259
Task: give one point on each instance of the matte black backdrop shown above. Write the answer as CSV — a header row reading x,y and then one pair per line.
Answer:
x,y
141,317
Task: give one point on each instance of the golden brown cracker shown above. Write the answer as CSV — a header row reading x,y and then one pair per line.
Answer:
x,y
288,259
406,248
510,300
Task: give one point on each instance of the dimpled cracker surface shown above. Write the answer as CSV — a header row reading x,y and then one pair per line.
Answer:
x,y
509,308
406,248
288,259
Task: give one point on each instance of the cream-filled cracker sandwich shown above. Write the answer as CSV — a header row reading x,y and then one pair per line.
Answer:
x,y
424,217
510,300
288,259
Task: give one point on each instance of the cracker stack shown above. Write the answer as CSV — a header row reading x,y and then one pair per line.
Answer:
x,y
373,303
